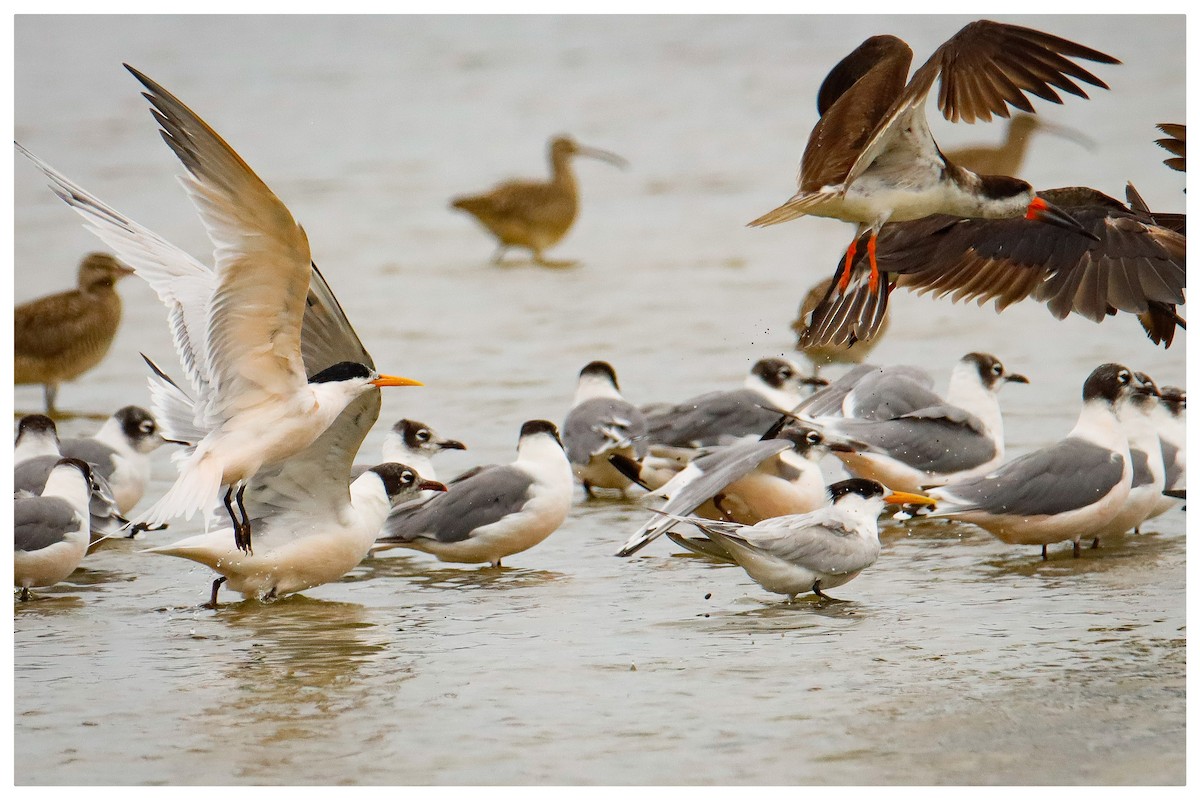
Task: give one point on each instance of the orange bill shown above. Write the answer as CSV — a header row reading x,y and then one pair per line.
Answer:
x,y
392,380
909,499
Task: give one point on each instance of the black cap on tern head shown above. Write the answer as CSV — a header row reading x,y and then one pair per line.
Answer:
x,y
775,372
1108,382
343,371
399,480
601,368
536,426
859,486
136,422
36,423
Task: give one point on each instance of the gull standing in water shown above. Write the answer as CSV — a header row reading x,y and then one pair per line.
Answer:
x,y
908,437
1061,492
236,326
51,531
494,511
120,453
811,552
1171,423
601,424
1137,416
773,385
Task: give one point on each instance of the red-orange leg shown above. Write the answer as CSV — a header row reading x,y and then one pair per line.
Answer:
x,y
873,283
844,281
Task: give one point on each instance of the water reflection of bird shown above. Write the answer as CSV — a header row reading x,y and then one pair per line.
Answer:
x,y
236,326
1061,492
534,214
1134,263
50,531
1007,157
821,355
811,552
871,157
59,337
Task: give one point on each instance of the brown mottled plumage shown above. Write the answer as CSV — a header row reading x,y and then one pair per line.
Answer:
x,y
1007,157
59,337
534,214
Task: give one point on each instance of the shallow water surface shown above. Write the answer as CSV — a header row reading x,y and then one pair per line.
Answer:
x,y
954,659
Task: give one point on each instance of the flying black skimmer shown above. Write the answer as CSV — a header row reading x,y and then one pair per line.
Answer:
x,y
871,158
51,531
494,511
1135,263
811,552
535,214
908,437
237,326
745,482
1060,492
59,337
773,385
120,453
602,423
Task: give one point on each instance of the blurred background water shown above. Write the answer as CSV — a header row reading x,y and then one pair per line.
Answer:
x,y
958,659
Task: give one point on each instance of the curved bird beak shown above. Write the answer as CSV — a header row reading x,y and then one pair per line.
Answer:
x,y
1015,378
602,155
1146,385
1068,133
433,486
451,444
1042,211
909,499
392,380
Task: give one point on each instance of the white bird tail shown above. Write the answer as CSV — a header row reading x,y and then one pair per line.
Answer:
x,y
196,489
797,206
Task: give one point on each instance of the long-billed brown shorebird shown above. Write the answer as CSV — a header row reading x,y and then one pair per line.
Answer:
x,y
871,157
59,337
535,214
1007,157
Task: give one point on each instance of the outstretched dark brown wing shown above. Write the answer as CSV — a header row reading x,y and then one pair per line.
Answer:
x,y
1175,144
1136,267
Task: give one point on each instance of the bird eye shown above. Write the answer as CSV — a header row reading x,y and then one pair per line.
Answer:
x,y
813,437
407,476
997,369
1123,376
785,373
423,435
147,426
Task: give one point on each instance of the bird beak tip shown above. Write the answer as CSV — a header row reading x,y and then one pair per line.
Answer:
x,y
394,380
434,486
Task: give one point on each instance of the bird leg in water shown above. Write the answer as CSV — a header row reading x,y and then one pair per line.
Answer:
x,y
1044,556
241,527
1075,549
212,599
816,588
24,593
1096,543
